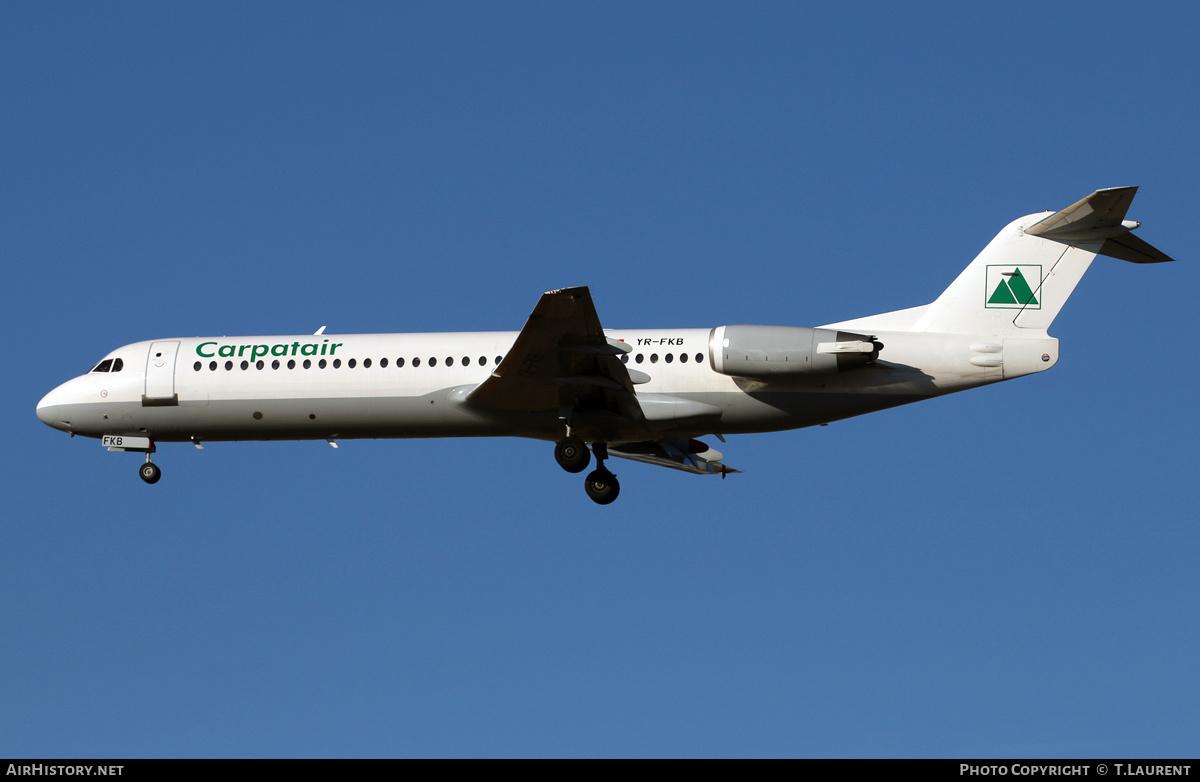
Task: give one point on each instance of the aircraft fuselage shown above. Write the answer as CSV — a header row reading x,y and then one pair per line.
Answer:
x,y
415,385
639,394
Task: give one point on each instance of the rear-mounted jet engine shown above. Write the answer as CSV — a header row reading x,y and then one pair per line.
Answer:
x,y
770,351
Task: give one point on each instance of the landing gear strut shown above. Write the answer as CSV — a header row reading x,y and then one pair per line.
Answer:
x,y
149,471
601,485
572,455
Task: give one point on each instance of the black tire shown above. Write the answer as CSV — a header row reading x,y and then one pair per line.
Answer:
x,y
572,454
602,486
150,472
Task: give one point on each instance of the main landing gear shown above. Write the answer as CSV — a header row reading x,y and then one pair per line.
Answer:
x,y
572,455
149,471
601,485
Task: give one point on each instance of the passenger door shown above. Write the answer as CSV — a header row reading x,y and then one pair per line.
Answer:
x,y
160,374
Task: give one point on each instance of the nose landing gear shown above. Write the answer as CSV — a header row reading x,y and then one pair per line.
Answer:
x,y
149,471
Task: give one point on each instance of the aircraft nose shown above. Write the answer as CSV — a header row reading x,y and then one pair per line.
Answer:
x,y
49,409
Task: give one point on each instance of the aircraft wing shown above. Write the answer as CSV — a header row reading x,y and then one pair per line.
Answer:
x,y
563,363
688,455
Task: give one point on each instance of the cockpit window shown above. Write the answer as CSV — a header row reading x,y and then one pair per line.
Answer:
x,y
110,365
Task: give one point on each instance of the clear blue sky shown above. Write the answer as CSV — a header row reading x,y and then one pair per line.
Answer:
x,y
1006,572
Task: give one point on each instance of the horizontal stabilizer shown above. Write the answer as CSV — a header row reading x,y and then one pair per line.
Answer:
x,y
1100,217
1130,248
1103,209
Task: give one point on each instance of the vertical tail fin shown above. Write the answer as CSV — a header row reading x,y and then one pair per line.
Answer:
x,y
1021,280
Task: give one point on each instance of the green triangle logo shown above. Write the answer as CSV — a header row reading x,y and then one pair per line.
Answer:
x,y
1012,286
1002,294
1013,289
1020,288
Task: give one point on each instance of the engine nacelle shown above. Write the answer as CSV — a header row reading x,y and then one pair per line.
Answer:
x,y
771,351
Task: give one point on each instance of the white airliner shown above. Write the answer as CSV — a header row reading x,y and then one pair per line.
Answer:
x,y
641,394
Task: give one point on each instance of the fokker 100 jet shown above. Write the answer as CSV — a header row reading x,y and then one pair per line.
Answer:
x,y
640,394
